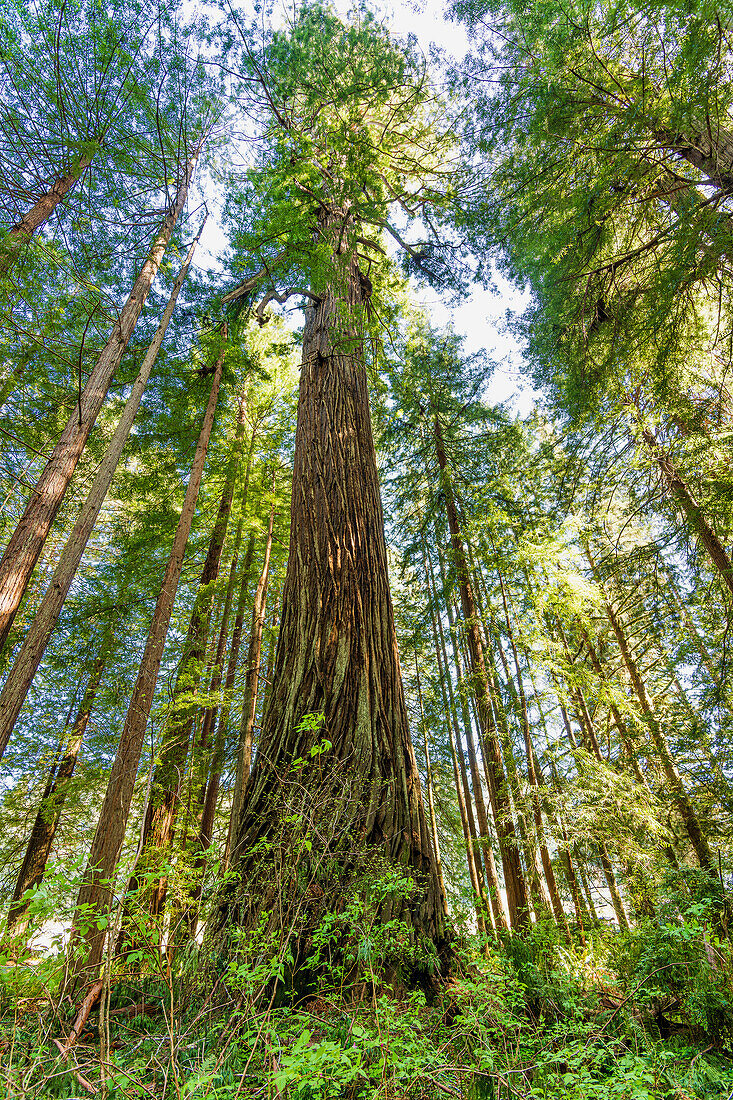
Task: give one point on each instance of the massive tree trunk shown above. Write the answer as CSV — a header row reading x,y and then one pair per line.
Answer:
x,y
38,214
337,649
28,539
110,832
34,645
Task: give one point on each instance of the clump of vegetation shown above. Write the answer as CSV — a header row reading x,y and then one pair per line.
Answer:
x,y
625,1015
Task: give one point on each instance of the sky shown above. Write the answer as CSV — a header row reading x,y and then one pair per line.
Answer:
x,y
482,317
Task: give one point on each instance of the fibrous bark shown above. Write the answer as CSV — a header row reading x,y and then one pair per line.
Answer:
x,y
337,652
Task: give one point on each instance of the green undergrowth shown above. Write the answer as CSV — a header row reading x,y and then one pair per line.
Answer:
x,y
645,1014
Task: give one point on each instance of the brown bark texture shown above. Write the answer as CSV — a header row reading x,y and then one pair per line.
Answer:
x,y
170,768
337,650
38,214
110,832
27,541
19,680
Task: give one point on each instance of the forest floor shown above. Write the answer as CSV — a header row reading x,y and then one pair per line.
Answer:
x,y
622,1016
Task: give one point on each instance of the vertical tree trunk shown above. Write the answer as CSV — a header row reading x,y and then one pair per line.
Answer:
x,y
513,877
47,819
681,798
623,731
174,750
110,832
252,676
27,541
588,892
534,784
586,724
265,679
691,510
337,649
21,675
695,635
40,212
431,796
473,851
212,789
482,842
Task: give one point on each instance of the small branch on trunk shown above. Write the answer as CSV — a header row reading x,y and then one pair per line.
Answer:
x,y
249,284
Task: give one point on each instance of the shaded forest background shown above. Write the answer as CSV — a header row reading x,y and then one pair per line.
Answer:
x,y
245,847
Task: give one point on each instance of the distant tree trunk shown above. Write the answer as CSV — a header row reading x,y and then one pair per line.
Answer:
x,y
27,541
54,795
110,833
252,675
431,795
40,212
695,635
691,510
232,665
212,789
482,841
534,784
573,886
588,892
623,730
537,890
514,882
24,669
208,795
473,848
337,649
174,750
501,919
681,798
586,724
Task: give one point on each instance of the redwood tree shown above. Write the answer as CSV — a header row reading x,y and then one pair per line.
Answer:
x,y
329,170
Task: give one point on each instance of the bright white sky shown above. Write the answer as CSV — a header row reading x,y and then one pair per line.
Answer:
x,y
482,317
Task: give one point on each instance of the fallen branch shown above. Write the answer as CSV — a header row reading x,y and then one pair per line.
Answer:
x,y
82,1016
